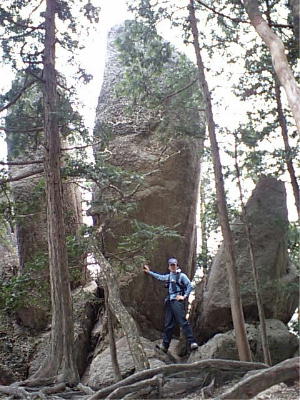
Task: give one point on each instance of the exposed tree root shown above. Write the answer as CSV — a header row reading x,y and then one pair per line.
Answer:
x,y
17,391
172,380
186,371
120,392
262,380
32,382
85,389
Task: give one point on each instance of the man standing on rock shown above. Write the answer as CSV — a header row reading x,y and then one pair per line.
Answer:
x,y
179,288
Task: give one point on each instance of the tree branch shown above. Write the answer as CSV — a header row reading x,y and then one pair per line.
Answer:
x,y
80,147
21,162
22,176
238,19
179,90
16,98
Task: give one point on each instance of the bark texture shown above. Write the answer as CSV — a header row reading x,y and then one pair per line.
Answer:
x,y
127,322
62,356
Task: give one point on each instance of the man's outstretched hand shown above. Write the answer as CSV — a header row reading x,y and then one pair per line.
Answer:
x,y
146,269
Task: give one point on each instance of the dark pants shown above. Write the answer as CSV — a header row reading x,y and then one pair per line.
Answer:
x,y
175,314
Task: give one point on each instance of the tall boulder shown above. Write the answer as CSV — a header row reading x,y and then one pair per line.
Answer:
x,y
149,142
268,219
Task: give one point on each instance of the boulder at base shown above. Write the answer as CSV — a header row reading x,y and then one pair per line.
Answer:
x,y
282,344
101,373
278,281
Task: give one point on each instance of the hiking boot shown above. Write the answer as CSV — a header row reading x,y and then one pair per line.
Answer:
x,y
162,347
194,346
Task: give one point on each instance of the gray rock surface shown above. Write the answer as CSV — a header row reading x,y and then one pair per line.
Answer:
x,y
267,215
101,374
282,344
170,166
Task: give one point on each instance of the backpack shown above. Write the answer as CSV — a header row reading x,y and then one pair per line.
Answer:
x,y
175,284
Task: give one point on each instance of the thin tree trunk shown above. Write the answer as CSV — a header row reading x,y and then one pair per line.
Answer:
x,y
234,290
259,302
295,9
111,336
62,355
284,129
279,60
128,324
287,148
204,248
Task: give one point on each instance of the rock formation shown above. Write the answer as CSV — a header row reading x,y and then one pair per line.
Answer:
x,y
223,345
267,215
169,161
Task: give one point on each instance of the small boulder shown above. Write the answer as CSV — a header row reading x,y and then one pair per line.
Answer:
x,y
282,344
101,373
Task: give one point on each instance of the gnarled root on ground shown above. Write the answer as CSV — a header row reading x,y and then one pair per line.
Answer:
x,y
257,382
173,379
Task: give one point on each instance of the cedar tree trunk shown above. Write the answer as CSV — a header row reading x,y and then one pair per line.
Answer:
x,y
287,148
234,290
61,359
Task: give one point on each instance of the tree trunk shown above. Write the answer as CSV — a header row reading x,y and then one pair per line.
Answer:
x,y
295,11
203,227
259,302
279,60
111,336
61,358
128,324
234,290
287,148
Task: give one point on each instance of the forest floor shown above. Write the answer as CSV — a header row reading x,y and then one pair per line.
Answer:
x,y
276,392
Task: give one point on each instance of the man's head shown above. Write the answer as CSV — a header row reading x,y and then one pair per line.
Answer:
x,y
173,264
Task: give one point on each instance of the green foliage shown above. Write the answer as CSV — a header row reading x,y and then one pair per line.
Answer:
x,y
157,78
24,122
22,24
115,187
204,260
26,288
134,249
77,248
